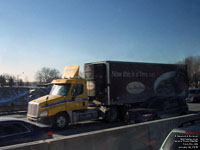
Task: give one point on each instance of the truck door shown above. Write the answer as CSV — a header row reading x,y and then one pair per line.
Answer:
x,y
79,97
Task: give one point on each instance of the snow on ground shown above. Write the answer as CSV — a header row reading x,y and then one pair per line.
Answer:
x,y
20,96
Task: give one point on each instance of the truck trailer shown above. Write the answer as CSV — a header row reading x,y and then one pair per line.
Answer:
x,y
109,90
119,86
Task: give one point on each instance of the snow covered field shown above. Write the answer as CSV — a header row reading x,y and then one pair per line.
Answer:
x,y
10,96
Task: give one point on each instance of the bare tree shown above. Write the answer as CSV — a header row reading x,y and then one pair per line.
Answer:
x,y
46,75
193,65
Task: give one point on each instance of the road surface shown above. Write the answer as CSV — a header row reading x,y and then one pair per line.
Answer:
x,y
95,125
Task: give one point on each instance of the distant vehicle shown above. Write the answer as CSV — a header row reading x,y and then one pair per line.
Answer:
x,y
185,137
15,131
157,107
193,95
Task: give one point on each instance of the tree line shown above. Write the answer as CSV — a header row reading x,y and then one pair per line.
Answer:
x,y
43,76
10,80
7,80
46,75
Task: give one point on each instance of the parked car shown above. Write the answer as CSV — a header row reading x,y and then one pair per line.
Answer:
x,y
186,136
15,131
157,107
193,95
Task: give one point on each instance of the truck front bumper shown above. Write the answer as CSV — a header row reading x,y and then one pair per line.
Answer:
x,y
43,120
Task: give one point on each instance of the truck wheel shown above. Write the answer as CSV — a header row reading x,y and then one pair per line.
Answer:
x,y
111,115
61,121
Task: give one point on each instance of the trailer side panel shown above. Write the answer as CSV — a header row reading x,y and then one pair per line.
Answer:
x,y
131,82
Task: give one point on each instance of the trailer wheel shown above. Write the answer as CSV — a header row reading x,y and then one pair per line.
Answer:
x,y
61,121
111,115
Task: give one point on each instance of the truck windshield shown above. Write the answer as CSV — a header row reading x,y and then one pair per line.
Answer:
x,y
60,89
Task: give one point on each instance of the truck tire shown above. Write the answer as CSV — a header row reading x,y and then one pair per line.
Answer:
x,y
111,115
61,121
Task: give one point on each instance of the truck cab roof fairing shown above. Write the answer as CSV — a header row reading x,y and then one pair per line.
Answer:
x,y
70,71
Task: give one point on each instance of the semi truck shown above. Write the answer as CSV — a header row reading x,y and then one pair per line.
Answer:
x,y
108,91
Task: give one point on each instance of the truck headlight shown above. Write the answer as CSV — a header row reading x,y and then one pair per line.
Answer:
x,y
44,113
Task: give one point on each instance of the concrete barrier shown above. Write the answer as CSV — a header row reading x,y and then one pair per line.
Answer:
x,y
108,139
143,136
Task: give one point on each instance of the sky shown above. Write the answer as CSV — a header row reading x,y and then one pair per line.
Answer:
x,y
56,33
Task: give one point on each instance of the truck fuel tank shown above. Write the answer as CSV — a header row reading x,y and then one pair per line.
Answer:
x,y
85,115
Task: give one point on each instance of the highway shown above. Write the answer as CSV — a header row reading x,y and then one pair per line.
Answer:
x,y
77,128
193,108
95,125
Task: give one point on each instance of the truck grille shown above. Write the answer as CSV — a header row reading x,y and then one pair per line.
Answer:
x,y
33,109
